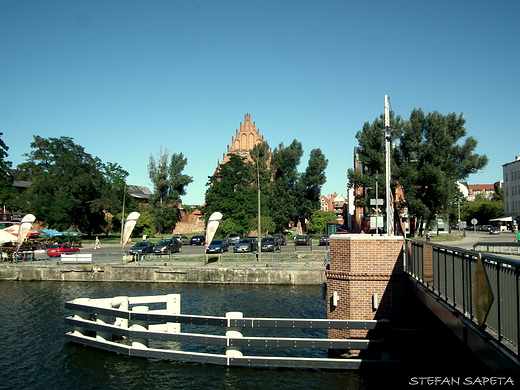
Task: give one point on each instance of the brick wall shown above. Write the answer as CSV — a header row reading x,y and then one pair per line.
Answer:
x,y
360,266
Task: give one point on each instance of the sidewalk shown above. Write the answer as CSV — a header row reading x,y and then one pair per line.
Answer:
x,y
465,243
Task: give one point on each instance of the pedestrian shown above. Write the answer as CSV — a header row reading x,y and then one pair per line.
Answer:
x,y
518,237
428,236
96,245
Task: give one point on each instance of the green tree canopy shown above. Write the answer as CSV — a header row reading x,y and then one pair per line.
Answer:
x,y
283,199
232,190
285,194
310,183
431,154
7,193
67,185
319,220
169,185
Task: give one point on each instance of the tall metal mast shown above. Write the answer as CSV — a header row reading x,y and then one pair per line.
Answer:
x,y
389,202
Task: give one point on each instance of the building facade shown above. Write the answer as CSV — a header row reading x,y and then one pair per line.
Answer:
x,y
511,177
336,203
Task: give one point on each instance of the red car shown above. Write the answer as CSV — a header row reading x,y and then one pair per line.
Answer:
x,y
59,249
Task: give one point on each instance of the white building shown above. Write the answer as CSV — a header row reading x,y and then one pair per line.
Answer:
x,y
511,176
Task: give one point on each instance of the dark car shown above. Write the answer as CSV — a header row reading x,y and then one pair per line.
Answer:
x,y
246,245
59,249
494,230
302,240
141,248
197,240
166,246
270,244
217,246
324,240
233,238
281,239
182,239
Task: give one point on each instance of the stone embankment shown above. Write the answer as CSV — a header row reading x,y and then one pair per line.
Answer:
x,y
161,274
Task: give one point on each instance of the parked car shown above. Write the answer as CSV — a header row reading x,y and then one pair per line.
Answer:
x,y
270,244
302,240
233,238
59,249
324,240
141,248
246,245
197,240
182,239
281,239
218,246
166,246
494,230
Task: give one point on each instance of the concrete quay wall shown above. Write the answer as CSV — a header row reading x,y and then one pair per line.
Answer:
x,y
161,274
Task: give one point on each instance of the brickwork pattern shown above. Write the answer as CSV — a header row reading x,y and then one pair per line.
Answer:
x,y
358,270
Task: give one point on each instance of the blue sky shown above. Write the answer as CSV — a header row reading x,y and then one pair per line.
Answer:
x,y
125,78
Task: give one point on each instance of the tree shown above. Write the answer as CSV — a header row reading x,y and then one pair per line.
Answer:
x,y
232,190
319,220
310,184
483,209
371,155
430,156
433,157
285,194
114,196
169,185
283,197
66,185
7,192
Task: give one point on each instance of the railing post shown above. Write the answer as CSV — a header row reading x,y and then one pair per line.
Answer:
x,y
104,320
140,343
173,306
121,303
235,332
83,315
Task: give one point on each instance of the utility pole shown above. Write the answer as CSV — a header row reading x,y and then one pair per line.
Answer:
x,y
389,203
258,201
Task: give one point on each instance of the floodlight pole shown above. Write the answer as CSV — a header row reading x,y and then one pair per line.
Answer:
x,y
388,137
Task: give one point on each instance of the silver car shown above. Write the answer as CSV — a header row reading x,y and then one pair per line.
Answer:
x,y
246,245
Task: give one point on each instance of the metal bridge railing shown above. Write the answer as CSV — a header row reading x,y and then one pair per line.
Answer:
x,y
151,327
450,274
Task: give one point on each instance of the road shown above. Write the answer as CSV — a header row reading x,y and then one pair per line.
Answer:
x,y
479,237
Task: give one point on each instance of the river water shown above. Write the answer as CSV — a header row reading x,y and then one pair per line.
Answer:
x,y
35,355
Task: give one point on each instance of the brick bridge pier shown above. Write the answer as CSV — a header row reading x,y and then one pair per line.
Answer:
x,y
365,280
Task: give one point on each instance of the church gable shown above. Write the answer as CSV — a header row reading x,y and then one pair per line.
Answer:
x,y
244,140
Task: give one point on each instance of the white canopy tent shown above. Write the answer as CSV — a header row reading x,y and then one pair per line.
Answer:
x,y
502,219
504,222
